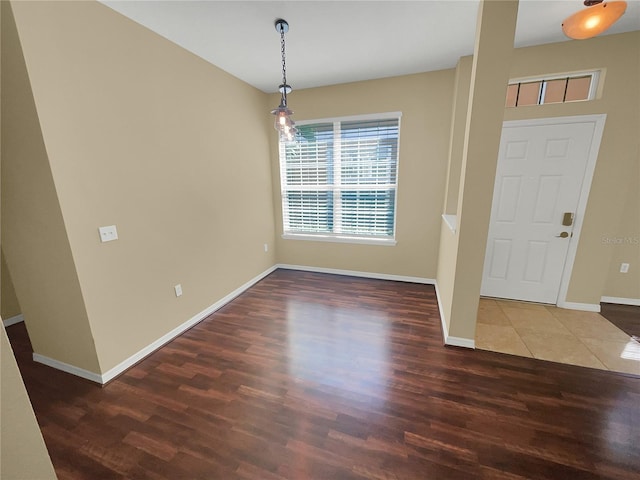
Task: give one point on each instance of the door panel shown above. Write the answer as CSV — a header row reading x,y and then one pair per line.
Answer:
x,y
500,254
547,199
508,199
535,262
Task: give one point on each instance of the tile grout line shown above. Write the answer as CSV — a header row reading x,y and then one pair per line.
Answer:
x,y
517,332
598,357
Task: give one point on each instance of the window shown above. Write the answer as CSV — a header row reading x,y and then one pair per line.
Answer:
x,y
339,180
557,89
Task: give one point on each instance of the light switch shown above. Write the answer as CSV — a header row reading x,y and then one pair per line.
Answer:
x,y
108,234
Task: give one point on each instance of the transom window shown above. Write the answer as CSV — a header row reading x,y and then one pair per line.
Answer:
x,y
339,180
556,89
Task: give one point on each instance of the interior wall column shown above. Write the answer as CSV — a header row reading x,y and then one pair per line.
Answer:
x,y
490,74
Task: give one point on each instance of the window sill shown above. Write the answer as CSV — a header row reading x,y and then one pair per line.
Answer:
x,y
337,239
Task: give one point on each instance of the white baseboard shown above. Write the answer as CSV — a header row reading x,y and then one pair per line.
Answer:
x,y
621,301
585,307
7,322
135,358
356,273
448,339
460,342
65,367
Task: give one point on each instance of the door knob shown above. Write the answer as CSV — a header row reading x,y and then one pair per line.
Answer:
x,y
563,235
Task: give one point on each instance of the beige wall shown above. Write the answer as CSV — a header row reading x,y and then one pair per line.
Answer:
x,y
448,246
23,453
456,134
9,305
616,175
624,243
425,103
34,239
175,152
446,274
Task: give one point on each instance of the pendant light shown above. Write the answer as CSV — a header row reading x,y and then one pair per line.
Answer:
x,y
593,20
284,124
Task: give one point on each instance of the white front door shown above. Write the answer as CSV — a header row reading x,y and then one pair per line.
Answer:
x,y
536,193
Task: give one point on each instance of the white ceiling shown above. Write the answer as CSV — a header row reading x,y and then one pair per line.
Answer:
x,y
331,42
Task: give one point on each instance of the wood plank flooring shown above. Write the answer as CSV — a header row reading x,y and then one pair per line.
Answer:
x,y
314,376
625,317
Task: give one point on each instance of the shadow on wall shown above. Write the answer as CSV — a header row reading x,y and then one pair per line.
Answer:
x,y
9,305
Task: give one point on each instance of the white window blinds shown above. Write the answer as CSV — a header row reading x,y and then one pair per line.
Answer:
x,y
340,179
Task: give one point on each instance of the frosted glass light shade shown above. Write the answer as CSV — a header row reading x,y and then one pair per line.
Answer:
x,y
593,20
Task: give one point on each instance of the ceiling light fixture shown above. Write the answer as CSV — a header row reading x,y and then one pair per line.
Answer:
x,y
594,20
284,124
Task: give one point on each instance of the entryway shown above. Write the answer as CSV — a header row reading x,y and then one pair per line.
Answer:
x,y
555,334
542,183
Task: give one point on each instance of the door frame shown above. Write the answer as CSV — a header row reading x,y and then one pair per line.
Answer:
x,y
599,121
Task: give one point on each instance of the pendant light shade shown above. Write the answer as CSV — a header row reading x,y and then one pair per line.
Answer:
x,y
593,20
284,124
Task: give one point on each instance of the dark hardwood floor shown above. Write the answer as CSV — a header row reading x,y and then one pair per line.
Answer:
x,y
314,376
625,317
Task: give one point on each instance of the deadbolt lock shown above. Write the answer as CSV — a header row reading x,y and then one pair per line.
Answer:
x,y
567,219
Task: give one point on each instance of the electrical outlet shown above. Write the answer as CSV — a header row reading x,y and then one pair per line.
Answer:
x,y
624,268
178,289
108,234
266,247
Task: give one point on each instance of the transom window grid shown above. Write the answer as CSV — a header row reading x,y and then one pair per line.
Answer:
x,y
340,179
558,89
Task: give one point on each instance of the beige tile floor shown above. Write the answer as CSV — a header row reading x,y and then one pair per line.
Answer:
x,y
549,333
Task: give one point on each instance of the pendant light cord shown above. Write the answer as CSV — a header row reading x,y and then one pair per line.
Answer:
x,y
284,67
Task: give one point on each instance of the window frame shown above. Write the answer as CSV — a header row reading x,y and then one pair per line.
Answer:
x,y
342,237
